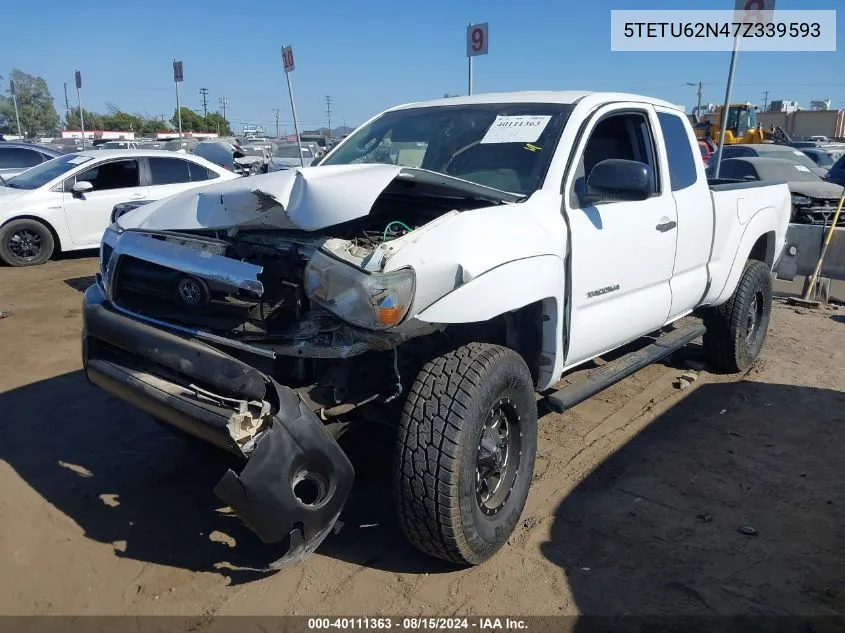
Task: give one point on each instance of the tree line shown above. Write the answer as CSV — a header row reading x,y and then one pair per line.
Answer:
x,y
38,116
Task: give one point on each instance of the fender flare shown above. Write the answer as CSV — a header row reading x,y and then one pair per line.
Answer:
x,y
527,281
760,225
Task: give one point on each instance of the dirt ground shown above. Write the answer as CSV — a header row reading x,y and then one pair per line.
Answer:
x,y
639,502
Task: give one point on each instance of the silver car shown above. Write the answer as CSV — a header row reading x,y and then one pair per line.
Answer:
x,y
287,157
16,158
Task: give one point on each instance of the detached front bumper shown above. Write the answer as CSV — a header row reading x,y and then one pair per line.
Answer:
x,y
296,478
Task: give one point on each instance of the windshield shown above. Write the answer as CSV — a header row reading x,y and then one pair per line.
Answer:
x,y
40,175
292,151
507,146
792,155
820,158
740,120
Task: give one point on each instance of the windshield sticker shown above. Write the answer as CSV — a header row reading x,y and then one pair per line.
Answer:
x,y
516,129
79,160
802,168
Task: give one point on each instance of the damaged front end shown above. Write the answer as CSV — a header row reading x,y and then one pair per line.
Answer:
x,y
251,334
296,478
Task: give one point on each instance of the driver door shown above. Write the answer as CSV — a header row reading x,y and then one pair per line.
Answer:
x,y
88,215
622,252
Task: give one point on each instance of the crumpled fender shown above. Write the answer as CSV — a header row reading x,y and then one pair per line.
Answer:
x,y
295,483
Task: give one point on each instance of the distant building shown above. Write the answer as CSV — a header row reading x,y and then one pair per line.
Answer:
x,y
820,105
779,105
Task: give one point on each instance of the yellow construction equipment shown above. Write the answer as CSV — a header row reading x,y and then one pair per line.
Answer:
x,y
742,125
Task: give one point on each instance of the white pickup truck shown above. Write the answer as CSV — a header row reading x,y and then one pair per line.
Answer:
x,y
439,266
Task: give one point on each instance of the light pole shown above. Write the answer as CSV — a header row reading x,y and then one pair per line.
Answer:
x,y
700,92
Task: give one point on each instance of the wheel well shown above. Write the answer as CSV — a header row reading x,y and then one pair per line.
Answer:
x,y
764,249
520,330
57,243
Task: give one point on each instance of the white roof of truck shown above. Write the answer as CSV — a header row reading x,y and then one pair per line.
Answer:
x,y
540,96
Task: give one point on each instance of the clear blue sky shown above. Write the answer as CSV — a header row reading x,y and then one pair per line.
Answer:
x,y
369,55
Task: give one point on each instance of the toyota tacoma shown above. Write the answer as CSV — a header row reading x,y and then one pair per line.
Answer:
x,y
439,267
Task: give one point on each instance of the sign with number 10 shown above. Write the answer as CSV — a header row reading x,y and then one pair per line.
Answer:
x,y
287,59
477,39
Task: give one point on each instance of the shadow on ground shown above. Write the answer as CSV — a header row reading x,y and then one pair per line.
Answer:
x,y
80,283
729,503
128,482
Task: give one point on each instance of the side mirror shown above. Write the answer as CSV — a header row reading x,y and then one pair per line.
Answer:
x,y
82,187
615,179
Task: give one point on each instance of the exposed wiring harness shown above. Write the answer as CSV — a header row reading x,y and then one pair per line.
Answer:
x,y
395,222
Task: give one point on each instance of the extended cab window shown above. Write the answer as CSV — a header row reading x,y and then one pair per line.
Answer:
x,y
682,163
118,174
626,136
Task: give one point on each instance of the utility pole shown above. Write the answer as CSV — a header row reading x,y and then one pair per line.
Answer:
x,y
67,109
15,99
224,101
329,113
765,100
276,113
204,93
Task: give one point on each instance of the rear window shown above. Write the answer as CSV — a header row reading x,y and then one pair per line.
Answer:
x,y
682,165
18,157
169,171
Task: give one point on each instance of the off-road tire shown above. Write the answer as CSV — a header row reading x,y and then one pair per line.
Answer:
x,y
435,478
727,344
29,227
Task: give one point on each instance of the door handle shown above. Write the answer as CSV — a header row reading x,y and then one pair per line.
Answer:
x,y
666,226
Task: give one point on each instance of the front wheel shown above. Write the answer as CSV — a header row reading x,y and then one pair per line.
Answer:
x,y
25,243
465,452
736,329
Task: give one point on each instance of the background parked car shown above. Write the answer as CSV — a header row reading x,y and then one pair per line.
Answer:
x,y
768,150
66,203
836,174
287,157
119,145
813,200
18,157
706,151
823,157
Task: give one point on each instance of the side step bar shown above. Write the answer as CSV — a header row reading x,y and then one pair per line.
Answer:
x,y
611,373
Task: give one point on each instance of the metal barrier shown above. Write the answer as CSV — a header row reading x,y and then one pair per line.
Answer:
x,y
802,249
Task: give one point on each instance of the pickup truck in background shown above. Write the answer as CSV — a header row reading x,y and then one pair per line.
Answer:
x,y
442,264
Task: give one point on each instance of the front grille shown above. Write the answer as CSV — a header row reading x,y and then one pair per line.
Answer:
x,y
180,298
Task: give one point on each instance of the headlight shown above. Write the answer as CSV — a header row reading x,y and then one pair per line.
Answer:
x,y
372,300
801,201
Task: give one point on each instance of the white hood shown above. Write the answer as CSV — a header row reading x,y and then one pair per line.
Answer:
x,y
308,199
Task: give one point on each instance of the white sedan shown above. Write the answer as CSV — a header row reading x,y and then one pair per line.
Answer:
x,y
65,204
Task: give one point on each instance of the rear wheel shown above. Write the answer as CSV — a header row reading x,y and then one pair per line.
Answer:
x,y
465,452
736,329
25,243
